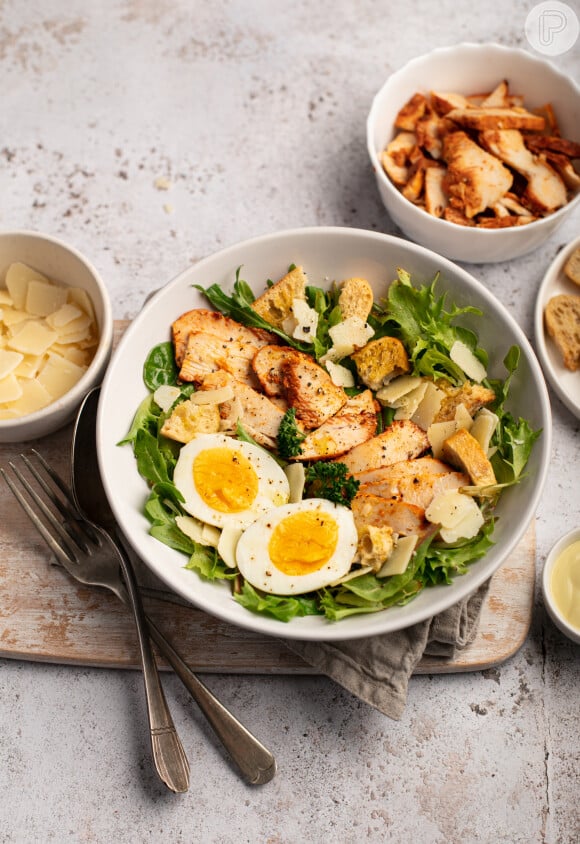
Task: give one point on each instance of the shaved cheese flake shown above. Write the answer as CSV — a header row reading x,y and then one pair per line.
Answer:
x,y
34,397
296,480
483,429
165,396
217,396
58,375
6,298
428,407
9,361
227,544
13,316
80,325
305,319
29,366
198,531
78,296
32,338
63,316
437,433
10,389
458,515
400,557
347,336
18,276
464,357
340,375
408,404
43,298
463,417
397,388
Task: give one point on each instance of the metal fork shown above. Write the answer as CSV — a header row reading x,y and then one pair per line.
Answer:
x,y
89,554
254,760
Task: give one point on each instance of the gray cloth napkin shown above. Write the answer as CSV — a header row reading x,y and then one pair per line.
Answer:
x,y
377,669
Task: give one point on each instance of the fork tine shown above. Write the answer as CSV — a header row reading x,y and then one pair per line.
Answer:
x,y
32,514
65,505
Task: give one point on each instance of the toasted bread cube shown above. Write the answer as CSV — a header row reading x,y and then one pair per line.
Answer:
x,y
461,449
275,305
380,360
356,298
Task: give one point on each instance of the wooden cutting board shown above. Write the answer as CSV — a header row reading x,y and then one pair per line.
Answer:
x,y
46,616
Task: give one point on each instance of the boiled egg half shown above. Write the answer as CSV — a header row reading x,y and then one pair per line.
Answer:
x,y
228,483
298,548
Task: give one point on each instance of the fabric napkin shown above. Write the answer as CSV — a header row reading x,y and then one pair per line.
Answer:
x,y
376,669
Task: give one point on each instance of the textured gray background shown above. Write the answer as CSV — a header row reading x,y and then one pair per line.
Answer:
x,y
254,112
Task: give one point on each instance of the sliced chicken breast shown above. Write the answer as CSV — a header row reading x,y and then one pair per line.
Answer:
x,y
405,519
353,424
402,440
211,322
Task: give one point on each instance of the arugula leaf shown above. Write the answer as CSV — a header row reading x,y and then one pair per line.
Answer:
x,y
423,324
283,608
208,564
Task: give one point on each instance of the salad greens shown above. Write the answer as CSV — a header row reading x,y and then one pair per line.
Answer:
x,y
428,328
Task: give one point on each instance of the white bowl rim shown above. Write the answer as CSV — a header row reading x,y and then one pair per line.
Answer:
x,y
438,222
461,587
560,545
77,391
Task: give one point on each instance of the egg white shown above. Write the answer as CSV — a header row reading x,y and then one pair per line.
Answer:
x,y
273,488
255,564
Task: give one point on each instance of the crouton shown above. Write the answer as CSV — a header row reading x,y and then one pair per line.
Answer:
x,y
356,298
275,305
380,361
461,449
472,396
189,419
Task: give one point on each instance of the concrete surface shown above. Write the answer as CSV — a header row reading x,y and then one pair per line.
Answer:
x,y
254,115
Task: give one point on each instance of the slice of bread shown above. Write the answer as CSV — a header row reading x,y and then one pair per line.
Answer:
x,y
562,318
275,305
572,267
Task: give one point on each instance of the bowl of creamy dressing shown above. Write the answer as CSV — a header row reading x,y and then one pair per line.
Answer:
x,y
561,584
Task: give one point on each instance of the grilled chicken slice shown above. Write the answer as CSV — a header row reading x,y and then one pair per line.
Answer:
x,y
310,390
497,118
355,423
402,440
428,465
405,519
211,322
395,158
545,190
475,179
411,112
413,483
435,196
267,364
207,353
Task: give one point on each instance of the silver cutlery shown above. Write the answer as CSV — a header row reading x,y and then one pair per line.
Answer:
x,y
89,554
255,761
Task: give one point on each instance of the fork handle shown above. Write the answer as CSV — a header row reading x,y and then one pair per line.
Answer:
x,y
255,761
168,753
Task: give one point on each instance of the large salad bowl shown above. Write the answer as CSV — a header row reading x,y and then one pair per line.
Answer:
x,y
327,255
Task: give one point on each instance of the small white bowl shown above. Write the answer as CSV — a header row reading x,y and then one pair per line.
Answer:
x,y
554,612
61,263
471,69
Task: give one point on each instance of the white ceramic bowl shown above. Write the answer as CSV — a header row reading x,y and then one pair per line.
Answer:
x,y
326,254
470,69
554,611
62,263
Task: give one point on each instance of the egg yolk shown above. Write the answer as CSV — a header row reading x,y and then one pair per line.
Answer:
x,y
225,479
303,542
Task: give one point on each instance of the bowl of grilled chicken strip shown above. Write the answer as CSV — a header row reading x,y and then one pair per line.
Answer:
x,y
476,150
326,256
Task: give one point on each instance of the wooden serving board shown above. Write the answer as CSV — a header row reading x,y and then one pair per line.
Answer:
x,y
46,616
